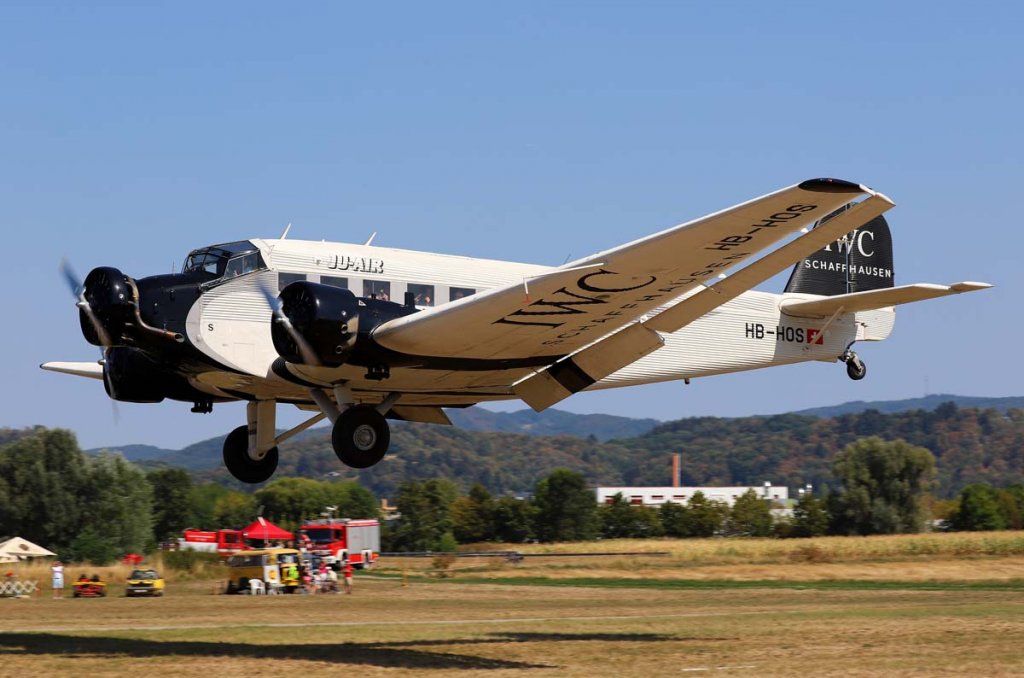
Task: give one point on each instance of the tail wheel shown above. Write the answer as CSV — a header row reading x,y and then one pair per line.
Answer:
x,y
856,369
360,436
241,465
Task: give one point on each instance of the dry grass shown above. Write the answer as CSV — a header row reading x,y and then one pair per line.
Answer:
x,y
116,574
439,628
961,557
727,551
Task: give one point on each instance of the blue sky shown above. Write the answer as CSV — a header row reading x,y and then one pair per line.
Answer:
x,y
131,133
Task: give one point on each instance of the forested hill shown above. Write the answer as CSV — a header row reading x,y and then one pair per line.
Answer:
x,y
928,402
551,423
970,445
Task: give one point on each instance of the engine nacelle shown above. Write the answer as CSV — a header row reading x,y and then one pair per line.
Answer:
x,y
132,376
326,317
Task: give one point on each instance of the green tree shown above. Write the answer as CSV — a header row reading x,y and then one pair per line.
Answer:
x,y
90,547
619,519
673,519
514,520
351,499
704,517
48,487
121,507
172,490
882,487
289,501
234,510
425,516
1011,506
810,516
750,516
978,510
566,508
202,499
473,516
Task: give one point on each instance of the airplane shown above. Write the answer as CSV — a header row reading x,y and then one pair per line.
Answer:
x,y
359,334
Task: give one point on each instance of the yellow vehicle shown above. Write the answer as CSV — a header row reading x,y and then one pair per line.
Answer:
x,y
144,583
269,566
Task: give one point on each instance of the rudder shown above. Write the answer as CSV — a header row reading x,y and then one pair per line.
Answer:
x,y
859,261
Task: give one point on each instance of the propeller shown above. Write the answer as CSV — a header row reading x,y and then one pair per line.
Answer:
x,y
309,356
78,292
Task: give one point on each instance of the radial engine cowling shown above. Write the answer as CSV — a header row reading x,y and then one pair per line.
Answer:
x,y
108,294
326,317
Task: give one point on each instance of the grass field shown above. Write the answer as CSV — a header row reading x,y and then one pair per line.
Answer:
x,y
960,557
534,620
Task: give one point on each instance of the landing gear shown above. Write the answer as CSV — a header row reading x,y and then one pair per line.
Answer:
x,y
250,451
241,464
855,367
360,436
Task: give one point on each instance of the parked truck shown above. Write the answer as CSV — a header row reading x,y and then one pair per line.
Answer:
x,y
340,539
224,542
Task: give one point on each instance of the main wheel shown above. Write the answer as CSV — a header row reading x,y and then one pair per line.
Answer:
x,y
360,436
238,462
856,369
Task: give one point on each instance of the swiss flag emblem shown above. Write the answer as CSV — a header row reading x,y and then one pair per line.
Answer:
x,y
815,337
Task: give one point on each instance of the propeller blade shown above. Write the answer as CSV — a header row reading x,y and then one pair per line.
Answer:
x,y
72,279
309,356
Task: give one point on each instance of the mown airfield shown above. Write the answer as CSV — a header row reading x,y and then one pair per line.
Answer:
x,y
906,605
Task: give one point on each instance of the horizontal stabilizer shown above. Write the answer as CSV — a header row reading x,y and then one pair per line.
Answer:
x,y
875,299
93,370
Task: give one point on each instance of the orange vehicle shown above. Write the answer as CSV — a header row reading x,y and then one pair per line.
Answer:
x,y
90,588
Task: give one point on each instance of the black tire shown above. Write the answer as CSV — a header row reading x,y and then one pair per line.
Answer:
x,y
856,370
360,436
238,463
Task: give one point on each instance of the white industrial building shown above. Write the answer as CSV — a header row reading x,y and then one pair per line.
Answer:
x,y
656,496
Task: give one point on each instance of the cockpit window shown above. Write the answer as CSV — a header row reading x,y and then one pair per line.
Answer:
x,y
227,260
242,264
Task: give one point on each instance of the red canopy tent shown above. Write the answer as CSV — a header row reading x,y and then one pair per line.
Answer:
x,y
264,530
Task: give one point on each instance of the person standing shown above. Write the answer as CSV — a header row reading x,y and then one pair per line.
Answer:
x,y
346,571
57,579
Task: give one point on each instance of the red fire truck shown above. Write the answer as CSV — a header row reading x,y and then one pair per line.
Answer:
x,y
224,542
338,539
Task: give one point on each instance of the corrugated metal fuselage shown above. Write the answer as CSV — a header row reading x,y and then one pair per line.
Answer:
x,y
230,324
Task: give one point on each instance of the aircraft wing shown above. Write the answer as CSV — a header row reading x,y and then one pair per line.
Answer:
x,y
595,362
875,299
559,312
93,369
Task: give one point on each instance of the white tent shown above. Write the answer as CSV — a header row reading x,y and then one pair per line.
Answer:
x,y
16,548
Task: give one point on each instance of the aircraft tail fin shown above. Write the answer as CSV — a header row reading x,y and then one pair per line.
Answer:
x,y
859,261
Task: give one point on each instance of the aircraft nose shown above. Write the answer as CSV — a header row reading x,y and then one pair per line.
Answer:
x,y
107,305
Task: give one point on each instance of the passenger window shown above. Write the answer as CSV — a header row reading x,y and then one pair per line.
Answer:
x,y
455,293
334,281
423,295
286,279
377,289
